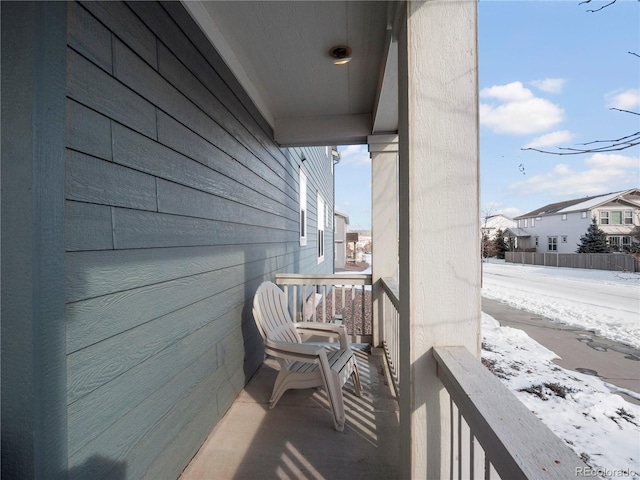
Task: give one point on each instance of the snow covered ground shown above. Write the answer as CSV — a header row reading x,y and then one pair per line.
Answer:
x,y
606,302
598,425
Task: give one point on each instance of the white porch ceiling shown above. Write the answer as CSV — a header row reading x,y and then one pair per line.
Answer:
x,y
278,50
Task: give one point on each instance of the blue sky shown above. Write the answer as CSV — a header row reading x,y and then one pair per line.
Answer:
x,y
549,72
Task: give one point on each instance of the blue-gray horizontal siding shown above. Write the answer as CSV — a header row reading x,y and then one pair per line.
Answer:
x,y
178,205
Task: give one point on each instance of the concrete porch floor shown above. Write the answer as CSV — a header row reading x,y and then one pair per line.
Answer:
x,y
296,440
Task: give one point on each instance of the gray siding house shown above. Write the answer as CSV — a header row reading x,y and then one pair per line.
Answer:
x,y
558,227
143,202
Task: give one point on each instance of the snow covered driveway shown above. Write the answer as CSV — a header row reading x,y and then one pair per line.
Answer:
x,y
606,302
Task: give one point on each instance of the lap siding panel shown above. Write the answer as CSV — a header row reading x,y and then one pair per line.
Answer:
x,y
178,205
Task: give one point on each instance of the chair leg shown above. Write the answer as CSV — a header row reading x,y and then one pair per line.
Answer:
x,y
333,387
356,380
278,388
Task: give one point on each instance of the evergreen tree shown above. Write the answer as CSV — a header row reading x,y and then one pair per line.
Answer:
x,y
594,241
500,244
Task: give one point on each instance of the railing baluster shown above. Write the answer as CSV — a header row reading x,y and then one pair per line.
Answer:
x,y
314,290
295,303
333,303
487,468
304,302
324,303
364,300
452,439
471,455
459,445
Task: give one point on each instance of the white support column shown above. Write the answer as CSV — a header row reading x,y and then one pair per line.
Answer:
x,y
384,219
439,218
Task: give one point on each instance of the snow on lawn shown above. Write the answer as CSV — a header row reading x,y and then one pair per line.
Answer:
x,y
583,410
607,303
598,425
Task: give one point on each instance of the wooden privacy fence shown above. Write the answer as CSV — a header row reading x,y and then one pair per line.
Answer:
x,y
618,262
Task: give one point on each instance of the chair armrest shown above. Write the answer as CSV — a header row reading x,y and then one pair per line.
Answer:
x,y
325,329
294,351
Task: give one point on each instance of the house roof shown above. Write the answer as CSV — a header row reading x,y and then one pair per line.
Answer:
x,y
576,205
518,232
336,213
496,216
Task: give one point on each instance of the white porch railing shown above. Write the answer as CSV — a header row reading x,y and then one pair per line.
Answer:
x,y
492,434
342,298
391,328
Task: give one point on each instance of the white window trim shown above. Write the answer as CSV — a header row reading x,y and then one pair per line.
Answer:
x,y
321,230
304,219
629,216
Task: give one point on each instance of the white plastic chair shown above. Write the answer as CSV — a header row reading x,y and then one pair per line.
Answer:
x,y
304,365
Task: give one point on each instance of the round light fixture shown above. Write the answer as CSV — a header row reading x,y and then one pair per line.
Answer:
x,y
341,54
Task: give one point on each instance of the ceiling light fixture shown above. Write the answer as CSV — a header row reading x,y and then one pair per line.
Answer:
x,y
341,54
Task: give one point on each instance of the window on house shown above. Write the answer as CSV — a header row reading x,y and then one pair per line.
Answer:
x,y
583,214
552,244
628,217
626,241
615,218
533,222
526,222
303,208
615,243
564,239
537,241
604,218
321,218
564,217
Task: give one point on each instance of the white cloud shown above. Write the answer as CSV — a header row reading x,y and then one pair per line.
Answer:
x,y
624,100
602,173
552,139
550,85
518,110
511,92
612,160
354,155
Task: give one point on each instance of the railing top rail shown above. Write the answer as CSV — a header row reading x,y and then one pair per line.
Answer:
x,y
391,286
516,442
323,279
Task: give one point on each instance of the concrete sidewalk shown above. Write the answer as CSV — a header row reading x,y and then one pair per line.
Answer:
x,y
580,350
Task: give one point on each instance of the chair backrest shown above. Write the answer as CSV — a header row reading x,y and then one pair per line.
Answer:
x,y
271,314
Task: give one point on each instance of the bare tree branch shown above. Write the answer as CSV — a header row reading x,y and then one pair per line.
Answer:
x,y
625,111
597,9
613,146
631,138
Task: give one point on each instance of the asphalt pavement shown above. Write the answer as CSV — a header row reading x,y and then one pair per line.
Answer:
x,y
580,350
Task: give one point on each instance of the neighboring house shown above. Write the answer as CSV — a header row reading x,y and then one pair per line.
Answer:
x,y
557,227
492,223
340,238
